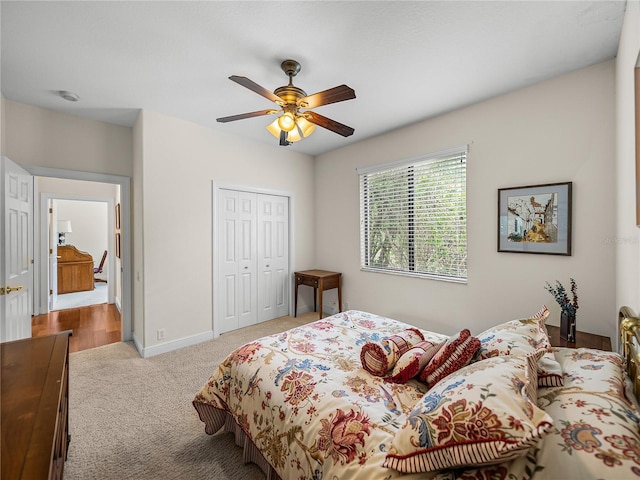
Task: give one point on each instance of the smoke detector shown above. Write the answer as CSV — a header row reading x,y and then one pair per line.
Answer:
x,y
70,96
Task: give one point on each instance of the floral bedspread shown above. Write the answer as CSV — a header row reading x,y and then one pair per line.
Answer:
x,y
305,401
596,430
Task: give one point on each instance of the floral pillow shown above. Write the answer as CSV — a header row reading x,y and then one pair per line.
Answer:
x,y
379,358
452,356
522,337
413,361
483,414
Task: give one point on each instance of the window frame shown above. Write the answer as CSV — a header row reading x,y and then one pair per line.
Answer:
x,y
409,165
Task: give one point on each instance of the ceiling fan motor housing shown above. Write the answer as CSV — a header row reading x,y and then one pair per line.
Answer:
x,y
290,94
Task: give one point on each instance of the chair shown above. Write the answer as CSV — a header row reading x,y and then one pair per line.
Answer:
x,y
98,269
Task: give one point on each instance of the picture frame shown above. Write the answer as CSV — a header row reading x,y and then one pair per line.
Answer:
x,y
535,219
117,216
118,245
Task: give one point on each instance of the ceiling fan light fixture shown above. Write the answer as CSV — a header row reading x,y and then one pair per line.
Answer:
x,y
305,126
286,122
274,129
294,135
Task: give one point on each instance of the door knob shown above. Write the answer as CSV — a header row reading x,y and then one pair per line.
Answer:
x,y
8,290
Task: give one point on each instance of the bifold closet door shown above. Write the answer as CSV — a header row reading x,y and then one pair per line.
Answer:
x,y
237,257
273,256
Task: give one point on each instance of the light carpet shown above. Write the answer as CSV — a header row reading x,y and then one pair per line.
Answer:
x,y
132,418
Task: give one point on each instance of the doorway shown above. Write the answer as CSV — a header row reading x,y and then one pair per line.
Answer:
x,y
80,228
121,271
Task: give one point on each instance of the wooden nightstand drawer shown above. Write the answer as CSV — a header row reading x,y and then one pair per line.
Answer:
x,y
583,339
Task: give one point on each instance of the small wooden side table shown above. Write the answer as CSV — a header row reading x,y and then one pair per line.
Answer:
x,y
320,280
583,339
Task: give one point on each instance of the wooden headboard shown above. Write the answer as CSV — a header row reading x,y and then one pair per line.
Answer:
x,y
629,330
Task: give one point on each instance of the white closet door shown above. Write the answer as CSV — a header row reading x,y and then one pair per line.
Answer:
x,y
273,256
236,256
247,262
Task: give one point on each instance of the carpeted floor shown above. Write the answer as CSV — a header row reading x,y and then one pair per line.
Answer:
x,y
132,418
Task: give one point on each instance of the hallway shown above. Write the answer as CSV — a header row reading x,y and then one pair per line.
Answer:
x,y
92,326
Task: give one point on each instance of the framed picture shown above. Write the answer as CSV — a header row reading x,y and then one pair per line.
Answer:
x,y
118,245
117,216
535,219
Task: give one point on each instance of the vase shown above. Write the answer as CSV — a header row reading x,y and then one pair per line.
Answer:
x,y
568,327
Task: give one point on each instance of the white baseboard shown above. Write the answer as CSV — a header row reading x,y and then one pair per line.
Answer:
x,y
173,345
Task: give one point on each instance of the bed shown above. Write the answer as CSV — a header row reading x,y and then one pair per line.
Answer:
x,y
339,399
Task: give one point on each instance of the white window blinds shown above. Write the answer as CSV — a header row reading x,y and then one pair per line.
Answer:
x,y
413,216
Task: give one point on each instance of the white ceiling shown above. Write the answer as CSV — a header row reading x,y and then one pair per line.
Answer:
x,y
407,61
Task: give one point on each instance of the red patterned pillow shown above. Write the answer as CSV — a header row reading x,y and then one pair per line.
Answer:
x,y
452,356
379,358
413,361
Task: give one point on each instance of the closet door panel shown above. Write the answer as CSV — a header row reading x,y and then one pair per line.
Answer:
x,y
247,260
228,260
273,256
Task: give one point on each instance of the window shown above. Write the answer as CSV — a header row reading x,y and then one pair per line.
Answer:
x,y
413,216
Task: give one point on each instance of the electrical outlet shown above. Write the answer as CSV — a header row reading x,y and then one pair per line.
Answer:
x,y
347,305
161,334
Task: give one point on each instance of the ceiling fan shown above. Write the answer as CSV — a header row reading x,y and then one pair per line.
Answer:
x,y
296,120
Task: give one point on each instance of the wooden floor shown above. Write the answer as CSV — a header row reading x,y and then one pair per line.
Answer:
x,y
92,326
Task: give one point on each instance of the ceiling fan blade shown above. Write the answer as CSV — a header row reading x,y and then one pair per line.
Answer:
x,y
332,95
329,124
251,85
245,115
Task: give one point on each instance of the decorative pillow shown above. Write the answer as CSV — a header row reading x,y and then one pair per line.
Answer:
x,y
483,414
452,356
413,361
522,337
379,358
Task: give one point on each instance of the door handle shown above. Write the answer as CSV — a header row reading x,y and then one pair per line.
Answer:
x,y
8,290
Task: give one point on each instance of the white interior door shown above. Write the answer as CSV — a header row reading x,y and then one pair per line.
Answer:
x,y
273,257
16,245
237,263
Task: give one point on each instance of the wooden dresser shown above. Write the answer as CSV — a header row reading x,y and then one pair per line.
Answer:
x,y
75,270
35,403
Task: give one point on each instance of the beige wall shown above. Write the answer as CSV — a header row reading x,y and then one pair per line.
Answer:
x,y
559,130
627,244
39,137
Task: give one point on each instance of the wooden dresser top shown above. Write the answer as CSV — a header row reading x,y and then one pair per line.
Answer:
x,y
32,372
